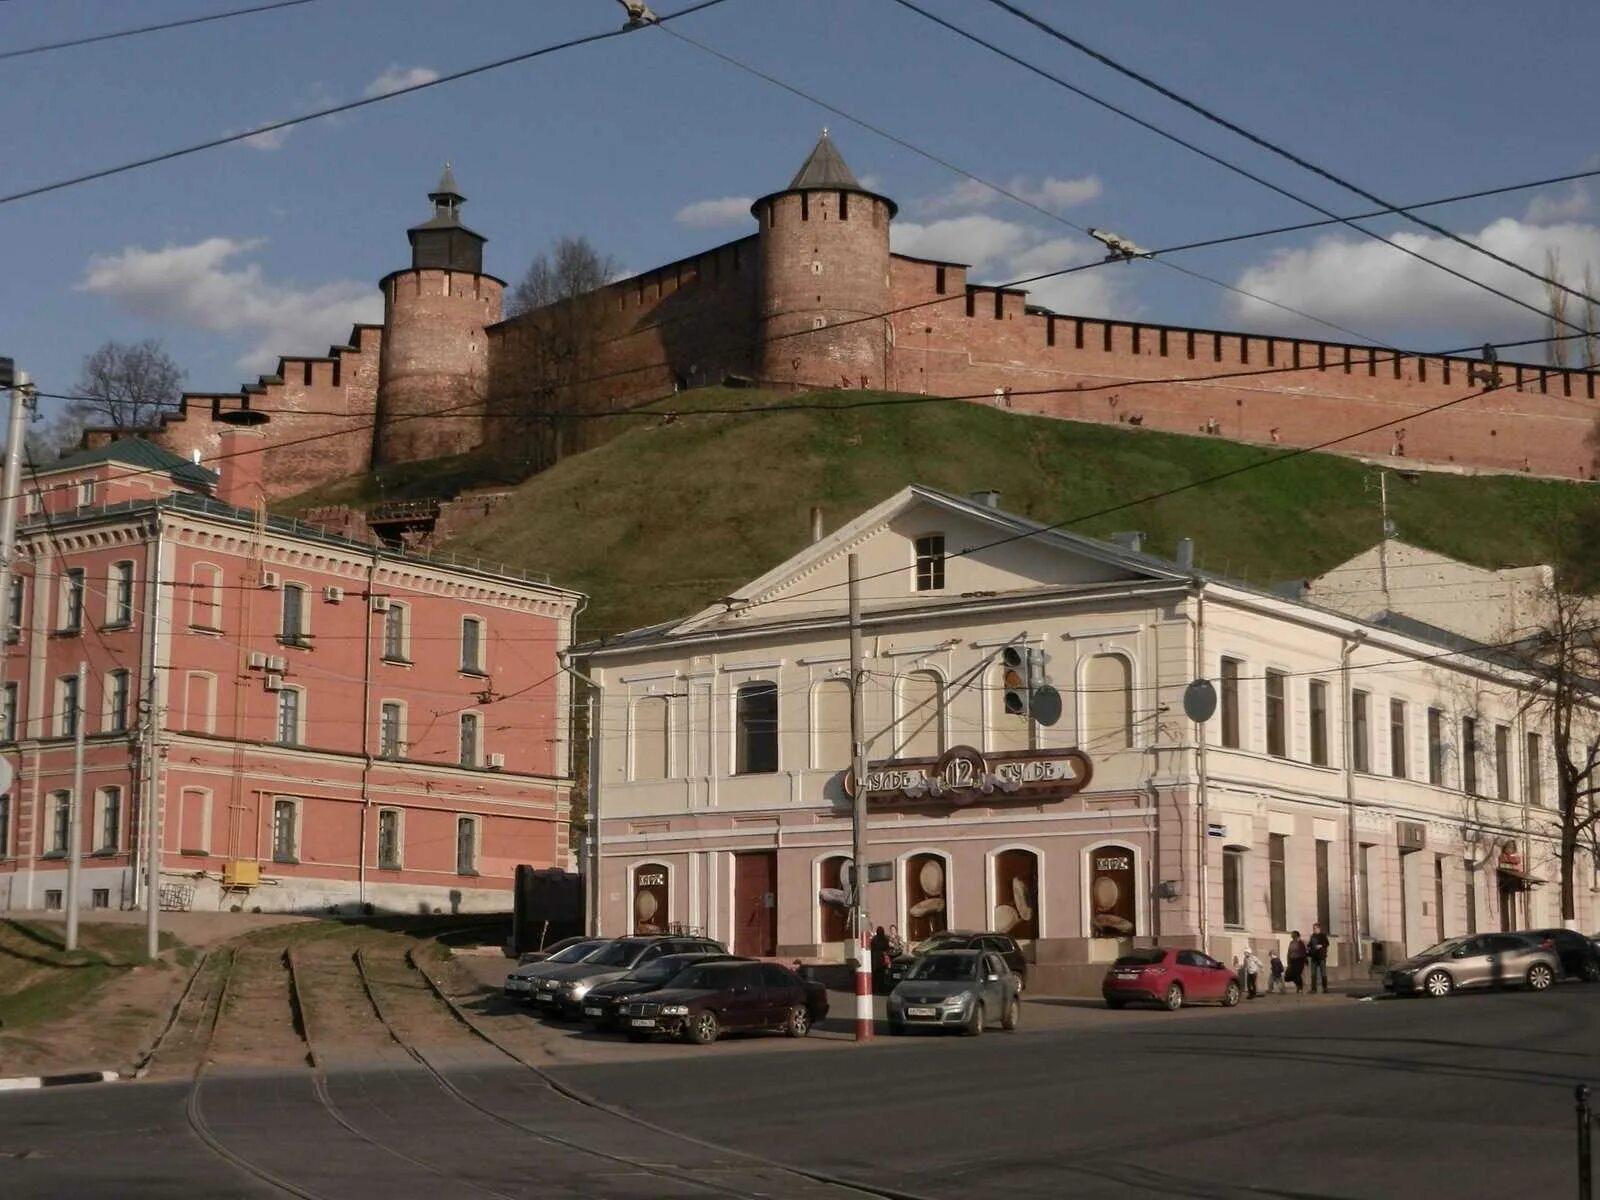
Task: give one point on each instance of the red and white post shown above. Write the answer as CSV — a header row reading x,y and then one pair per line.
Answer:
x,y
858,750
864,983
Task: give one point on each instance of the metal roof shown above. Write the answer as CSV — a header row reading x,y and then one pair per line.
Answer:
x,y
824,168
136,452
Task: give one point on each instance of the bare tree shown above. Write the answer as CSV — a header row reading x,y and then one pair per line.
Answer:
x,y
571,268
1556,299
1591,321
126,386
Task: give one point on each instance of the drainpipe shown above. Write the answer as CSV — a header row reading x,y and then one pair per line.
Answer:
x,y
1345,651
366,731
594,707
1203,825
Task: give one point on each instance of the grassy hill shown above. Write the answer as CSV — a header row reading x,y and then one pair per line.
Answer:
x,y
670,515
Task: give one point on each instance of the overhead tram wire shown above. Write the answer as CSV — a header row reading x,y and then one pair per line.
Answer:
x,y
1222,162
143,29
347,106
1298,160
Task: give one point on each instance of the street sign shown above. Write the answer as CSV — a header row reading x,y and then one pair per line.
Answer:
x,y
1216,829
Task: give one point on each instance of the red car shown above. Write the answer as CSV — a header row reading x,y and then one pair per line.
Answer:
x,y
1170,978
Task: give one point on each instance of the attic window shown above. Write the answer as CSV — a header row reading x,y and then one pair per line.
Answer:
x,y
930,563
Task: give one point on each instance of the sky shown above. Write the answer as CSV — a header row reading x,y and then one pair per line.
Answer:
x,y
652,149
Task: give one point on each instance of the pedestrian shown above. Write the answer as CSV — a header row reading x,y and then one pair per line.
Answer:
x,y
1317,950
879,948
1275,969
1296,974
1252,970
897,945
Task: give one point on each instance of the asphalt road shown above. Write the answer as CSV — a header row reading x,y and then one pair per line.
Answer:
x,y
1463,1098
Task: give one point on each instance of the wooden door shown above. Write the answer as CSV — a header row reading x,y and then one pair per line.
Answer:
x,y
755,903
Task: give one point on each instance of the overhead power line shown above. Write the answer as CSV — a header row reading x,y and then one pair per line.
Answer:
x,y
1222,162
347,106
1297,159
142,29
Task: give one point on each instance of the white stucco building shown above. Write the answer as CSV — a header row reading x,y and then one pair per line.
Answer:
x,y
1374,777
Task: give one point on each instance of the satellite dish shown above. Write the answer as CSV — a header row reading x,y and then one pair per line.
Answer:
x,y
1199,700
1045,705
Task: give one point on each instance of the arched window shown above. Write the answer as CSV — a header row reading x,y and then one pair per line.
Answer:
x,y
920,732
927,895
1113,895
833,900
650,749
1016,893
830,725
650,898
1108,703
1007,731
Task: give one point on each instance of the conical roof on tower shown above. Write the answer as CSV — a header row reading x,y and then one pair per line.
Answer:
x,y
825,170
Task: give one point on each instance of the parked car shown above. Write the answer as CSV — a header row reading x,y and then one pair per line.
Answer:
x,y
520,983
1478,960
533,956
1002,944
1171,978
957,989
709,998
560,992
1580,956
601,1005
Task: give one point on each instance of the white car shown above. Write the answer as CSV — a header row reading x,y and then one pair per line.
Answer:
x,y
521,983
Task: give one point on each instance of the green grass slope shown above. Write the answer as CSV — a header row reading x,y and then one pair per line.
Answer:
x,y
670,515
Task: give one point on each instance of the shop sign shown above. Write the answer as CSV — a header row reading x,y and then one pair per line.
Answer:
x,y
962,775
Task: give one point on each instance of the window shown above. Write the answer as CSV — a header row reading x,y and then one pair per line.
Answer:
x,y
194,821
110,822
930,563
100,898
1108,704
1360,747
1435,746
117,702
14,610
1532,769
35,502
60,822
67,706
472,645
119,602
1364,886
1469,755
1467,869
52,900
289,717
390,727
394,634
71,601
756,729
920,733
1502,762
1397,738
285,831
469,728
1278,891
389,839
1277,739
293,630
466,846
1319,722
1230,702
830,729
938,280
1324,876
650,747
1233,886
205,596
8,717
199,701
5,825
85,493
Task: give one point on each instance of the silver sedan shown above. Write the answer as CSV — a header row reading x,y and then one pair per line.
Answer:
x,y
1478,960
957,989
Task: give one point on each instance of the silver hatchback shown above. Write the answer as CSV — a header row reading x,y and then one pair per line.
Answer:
x,y
1478,960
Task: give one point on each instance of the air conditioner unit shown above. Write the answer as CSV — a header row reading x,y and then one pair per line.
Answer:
x,y
380,604
278,663
273,682
333,595
497,762
258,660
241,874
269,579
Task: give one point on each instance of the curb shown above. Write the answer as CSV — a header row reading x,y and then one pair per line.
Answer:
x,y
21,1083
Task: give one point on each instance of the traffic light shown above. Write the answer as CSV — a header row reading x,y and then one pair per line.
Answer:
x,y
1027,691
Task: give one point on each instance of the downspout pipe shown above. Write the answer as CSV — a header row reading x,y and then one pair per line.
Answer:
x,y
366,728
1203,824
1352,850
595,706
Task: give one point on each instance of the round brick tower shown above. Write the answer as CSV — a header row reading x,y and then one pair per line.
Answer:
x,y
434,357
824,267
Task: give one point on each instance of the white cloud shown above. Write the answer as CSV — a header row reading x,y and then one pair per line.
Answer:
x,y
1049,192
268,140
207,285
710,214
1366,284
976,238
1549,210
396,77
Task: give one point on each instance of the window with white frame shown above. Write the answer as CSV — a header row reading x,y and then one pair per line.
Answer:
x,y
5,825
290,717
200,701
1360,735
1108,703
1233,886
116,715
1397,739
119,596
294,629
466,845
470,741
14,601
205,596
67,706
930,563
1502,762
472,645
108,819
396,643
389,839
920,727
391,729
651,751
60,823
70,618
756,729
1277,714
8,713
85,493
1230,702
1317,714
35,502
1532,768
285,830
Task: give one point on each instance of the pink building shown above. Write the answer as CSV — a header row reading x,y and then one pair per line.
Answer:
x,y
322,723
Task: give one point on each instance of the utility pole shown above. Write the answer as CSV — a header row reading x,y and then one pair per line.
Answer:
x,y
75,808
152,820
21,398
858,759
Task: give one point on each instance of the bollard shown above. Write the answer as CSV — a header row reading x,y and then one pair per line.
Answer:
x,y
1585,1126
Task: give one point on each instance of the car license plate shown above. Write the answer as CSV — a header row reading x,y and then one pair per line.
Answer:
x,y
922,1012
543,995
593,1012
643,1022
1127,974
516,985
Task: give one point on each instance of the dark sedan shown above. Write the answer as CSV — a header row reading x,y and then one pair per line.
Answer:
x,y
600,1006
1002,944
708,999
1580,956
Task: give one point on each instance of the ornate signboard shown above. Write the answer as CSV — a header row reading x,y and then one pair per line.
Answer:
x,y
962,775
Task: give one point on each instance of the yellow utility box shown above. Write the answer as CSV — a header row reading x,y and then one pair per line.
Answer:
x,y
241,874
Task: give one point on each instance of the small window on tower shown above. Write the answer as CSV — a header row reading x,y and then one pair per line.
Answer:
x,y
844,206
938,280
